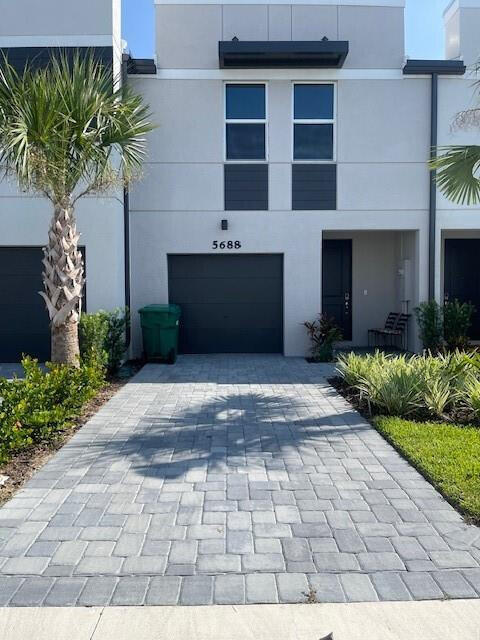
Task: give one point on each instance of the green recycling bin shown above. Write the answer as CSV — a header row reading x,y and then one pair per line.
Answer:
x,y
160,323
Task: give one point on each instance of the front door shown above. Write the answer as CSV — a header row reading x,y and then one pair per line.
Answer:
x,y
462,276
337,283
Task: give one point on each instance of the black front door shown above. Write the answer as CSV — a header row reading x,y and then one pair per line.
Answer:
x,y
462,276
337,283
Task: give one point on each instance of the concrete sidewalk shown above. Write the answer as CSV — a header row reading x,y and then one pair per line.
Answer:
x,y
439,620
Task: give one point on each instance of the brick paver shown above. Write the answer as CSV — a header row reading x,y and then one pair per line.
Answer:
x,y
231,480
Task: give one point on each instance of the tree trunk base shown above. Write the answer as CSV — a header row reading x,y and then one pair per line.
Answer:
x,y
65,348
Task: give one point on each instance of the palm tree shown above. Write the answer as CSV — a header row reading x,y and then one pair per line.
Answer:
x,y
66,132
457,167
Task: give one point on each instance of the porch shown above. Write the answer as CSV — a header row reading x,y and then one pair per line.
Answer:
x,y
366,275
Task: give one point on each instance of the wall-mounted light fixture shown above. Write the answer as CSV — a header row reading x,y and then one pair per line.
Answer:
x,y
224,225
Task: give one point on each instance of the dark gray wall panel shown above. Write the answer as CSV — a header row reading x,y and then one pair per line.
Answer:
x,y
24,323
230,303
314,187
40,57
246,187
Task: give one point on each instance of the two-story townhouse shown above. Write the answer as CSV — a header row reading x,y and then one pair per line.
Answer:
x,y
289,171
288,175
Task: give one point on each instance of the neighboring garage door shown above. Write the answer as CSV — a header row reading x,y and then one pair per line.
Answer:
x,y
230,304
24,323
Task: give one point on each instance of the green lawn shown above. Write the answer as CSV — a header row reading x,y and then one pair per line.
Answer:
x,y
448,455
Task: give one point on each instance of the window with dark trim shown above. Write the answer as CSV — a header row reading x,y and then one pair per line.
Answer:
x,y
245,170
245,122
314,122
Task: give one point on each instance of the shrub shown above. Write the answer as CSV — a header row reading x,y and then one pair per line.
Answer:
x,y
441,386
472,397
116,344
392,386
457,320
323,333
444,326
430,322
93,331
103,335
354,368
35,409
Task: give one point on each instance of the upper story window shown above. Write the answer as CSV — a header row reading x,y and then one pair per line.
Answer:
x,y
314,122
245,122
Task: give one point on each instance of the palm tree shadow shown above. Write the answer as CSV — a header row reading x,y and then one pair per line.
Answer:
x,y
251,429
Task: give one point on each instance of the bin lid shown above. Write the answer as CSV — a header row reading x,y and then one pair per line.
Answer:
x,y
161,309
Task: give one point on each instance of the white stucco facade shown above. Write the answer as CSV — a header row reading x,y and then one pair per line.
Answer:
x,y
382,146
382,149
24,219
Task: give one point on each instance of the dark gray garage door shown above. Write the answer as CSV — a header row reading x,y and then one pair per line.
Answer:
x,y
24,324
230,304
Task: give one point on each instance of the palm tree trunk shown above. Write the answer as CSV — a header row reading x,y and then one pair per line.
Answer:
x,y
63,281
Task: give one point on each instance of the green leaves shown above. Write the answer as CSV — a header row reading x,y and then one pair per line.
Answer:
x,y
103,336
323,333
39,407
444,326
65,131
438,387
448,455
430,323
457,173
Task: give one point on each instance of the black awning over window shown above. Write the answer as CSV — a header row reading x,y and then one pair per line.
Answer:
x,y
322,54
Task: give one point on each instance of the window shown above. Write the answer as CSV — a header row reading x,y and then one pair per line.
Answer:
x,y
313,122
245,116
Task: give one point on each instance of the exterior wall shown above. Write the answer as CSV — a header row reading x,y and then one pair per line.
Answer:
x,y
24,220
298,235
56,22
462,23
188,34
60,23
383,178
452,218
382,149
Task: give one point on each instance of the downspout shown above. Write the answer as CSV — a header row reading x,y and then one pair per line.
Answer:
x,y
432,241
126,240
126,236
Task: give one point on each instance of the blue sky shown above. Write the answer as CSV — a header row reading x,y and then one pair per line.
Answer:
x,y
424,26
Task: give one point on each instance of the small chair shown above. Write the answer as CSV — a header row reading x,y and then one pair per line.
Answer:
x,y
389,326
399,330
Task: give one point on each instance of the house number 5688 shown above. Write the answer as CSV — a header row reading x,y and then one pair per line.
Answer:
x,y
226,244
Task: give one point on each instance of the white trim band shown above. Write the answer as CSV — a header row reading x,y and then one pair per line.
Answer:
x,y
284,74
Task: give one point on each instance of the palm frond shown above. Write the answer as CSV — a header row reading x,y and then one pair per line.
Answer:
x,y
457,173
65,131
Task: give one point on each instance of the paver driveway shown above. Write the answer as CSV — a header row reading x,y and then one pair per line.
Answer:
x,y
231,479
